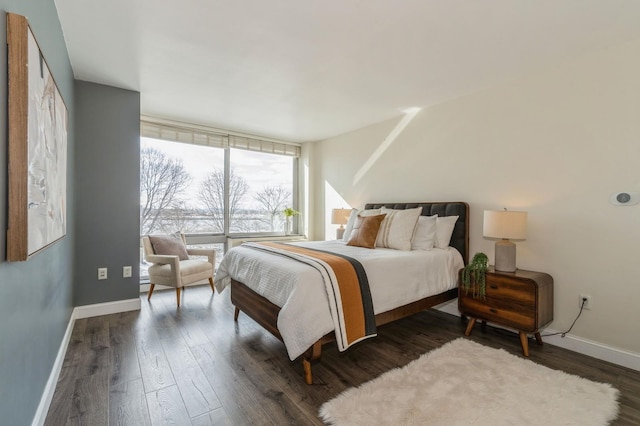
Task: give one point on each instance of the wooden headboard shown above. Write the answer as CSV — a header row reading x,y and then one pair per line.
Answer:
x,y
460,236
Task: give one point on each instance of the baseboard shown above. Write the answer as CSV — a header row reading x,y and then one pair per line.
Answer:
x,y
581,345
107,308
50,387
77,313
594,349
450,307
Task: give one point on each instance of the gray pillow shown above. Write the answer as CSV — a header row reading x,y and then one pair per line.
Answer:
x,y
169,245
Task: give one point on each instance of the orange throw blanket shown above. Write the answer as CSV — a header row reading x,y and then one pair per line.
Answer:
x,y
347,289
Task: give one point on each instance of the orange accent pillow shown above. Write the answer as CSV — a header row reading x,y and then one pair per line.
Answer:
x,y
365,231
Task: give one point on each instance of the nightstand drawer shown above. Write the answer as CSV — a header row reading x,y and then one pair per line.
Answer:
x,y
512,290
521,317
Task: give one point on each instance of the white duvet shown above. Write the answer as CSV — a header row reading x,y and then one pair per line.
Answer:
x,y
395,277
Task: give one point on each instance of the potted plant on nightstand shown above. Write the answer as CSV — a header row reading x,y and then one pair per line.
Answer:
x,y
288,214
474,276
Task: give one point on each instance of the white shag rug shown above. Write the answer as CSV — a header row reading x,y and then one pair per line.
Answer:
x,y
465,383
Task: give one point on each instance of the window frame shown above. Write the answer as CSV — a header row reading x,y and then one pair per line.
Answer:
x,y
179,132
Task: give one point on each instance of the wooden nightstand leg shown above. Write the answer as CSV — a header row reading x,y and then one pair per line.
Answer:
x,y
483,326
525,343
539,338
472,322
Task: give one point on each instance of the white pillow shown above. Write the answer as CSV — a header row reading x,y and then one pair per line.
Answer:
x,y
352,220
397,228
444,229
424,237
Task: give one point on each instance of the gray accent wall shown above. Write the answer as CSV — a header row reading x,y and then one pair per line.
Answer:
x,y
107,192
36,296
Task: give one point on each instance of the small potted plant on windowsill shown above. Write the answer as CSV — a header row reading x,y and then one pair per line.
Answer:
x,y
288,214
474,276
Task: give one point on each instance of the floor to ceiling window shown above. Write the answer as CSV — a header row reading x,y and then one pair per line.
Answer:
x,y
181,187
211,185
260,188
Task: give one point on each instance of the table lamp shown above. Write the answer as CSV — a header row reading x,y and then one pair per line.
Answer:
x,y
505,225
340,217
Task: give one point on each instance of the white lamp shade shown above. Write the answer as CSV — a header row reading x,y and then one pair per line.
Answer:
x,y
340,216
505,224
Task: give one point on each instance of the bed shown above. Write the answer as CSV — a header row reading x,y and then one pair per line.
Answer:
x,y
263,286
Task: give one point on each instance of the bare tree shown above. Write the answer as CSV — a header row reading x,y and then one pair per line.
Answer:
x,y
162,181
273,200
178,218
212,196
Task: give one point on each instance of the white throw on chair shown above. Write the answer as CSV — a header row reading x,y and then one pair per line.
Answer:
x,y
171,265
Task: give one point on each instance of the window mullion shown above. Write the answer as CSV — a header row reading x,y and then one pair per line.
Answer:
x,y
227,203
295,196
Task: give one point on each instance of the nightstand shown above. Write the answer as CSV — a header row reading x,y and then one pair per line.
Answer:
x,y
522,300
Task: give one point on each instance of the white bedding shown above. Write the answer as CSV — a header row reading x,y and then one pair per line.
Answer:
x,y
395,277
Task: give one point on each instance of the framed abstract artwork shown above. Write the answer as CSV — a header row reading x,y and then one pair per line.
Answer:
x,y
37,132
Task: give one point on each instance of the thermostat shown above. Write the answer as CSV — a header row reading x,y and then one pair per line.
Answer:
x,y
625,198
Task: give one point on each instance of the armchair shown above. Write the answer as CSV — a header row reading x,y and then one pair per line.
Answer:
x,y
171,265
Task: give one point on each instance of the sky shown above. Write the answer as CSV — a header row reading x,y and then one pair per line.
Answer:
x,y
258,169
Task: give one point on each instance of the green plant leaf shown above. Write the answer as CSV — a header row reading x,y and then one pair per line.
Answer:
x,y
476,271
288,212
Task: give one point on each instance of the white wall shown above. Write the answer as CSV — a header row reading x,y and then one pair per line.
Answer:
x,y
556,143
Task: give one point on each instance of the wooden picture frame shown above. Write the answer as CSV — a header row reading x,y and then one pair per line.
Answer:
x,y
37,151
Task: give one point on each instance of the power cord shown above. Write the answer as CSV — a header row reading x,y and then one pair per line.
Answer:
x,y
564,333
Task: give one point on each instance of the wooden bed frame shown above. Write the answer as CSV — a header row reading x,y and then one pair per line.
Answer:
x,y
266,313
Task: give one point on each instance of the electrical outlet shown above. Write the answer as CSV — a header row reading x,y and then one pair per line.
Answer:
x,y
102,273
126,272
587,304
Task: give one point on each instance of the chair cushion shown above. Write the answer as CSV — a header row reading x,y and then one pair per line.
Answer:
x,y
187,268
191,271
171,244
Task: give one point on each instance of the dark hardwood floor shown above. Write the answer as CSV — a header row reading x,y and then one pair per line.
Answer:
x,y
195,366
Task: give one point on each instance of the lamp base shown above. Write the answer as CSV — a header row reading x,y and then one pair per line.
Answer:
x,y
340,233
505,256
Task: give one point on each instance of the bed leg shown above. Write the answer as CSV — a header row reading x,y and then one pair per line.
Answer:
x,y
313,353
235,314
308,375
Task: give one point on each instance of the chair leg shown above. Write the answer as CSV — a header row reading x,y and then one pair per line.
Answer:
x,y
178,296
211,284
150,291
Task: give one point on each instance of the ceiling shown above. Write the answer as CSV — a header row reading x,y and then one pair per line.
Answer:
x,y
302,70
